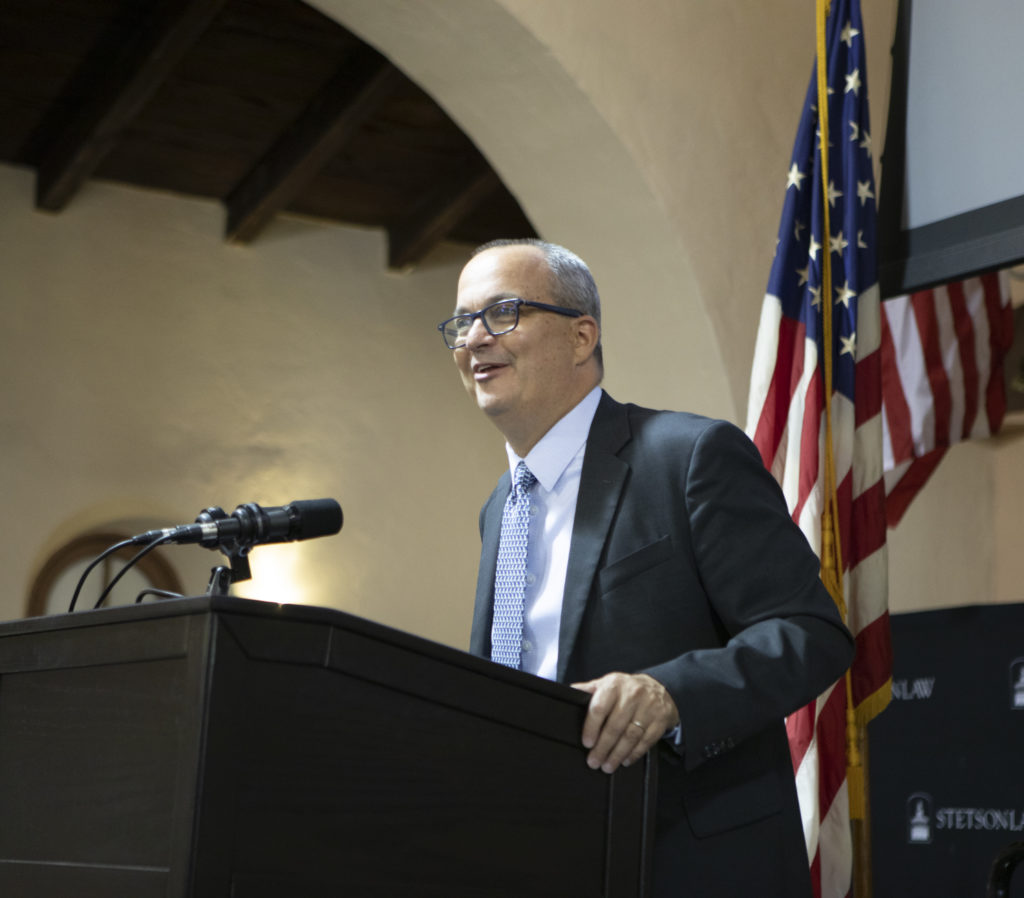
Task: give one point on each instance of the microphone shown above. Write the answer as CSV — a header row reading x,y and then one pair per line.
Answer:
x,y
250,525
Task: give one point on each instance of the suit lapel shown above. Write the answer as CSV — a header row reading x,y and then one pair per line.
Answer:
x,y
490,532
601,481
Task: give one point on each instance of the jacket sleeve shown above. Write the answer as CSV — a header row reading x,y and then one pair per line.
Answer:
x,y
785,641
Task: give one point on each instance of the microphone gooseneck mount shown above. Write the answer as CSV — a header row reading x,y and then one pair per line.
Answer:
x,y
236,550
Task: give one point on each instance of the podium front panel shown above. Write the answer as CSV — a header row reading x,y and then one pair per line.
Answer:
x,y
216,747
99,739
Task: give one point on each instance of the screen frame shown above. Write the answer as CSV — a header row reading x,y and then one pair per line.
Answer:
x,y
910,259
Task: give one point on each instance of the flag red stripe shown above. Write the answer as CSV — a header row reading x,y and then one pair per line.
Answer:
x,y
867,525
923,306
789,362
844,493
809,443
800,731
916,476
832,746
816,873
868,388
874,649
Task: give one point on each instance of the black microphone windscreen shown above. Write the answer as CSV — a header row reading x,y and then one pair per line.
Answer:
x,y
317,517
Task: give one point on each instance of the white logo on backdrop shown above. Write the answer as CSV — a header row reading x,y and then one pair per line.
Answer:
x,y
910,690
919,818
1017,684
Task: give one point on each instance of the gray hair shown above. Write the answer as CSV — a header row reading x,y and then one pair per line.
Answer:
x,y
572,284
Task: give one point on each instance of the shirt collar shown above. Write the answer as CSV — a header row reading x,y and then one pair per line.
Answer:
x,y
552,454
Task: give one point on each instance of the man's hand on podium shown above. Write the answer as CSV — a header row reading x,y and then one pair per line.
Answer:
x,y
628,713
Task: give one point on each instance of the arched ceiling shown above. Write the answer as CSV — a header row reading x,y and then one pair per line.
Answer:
x,y
266,105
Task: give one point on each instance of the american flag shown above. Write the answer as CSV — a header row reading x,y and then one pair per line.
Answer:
x,y
786,419
942,377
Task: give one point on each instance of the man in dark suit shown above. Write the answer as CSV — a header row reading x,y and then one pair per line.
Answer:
x,y
664,576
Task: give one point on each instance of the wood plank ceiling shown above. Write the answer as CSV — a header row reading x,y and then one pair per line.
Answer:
x,y
266,105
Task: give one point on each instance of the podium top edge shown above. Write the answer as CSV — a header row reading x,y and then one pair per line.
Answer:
x,y
230,606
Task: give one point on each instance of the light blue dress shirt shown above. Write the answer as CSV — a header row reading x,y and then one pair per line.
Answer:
x,y
557,462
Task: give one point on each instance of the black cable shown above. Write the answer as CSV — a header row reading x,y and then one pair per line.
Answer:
x,y
162,593
163,538
88,570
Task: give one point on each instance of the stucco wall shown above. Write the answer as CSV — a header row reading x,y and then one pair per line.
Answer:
x,y
150,370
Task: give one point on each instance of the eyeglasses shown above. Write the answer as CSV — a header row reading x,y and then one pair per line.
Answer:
x,y
499,318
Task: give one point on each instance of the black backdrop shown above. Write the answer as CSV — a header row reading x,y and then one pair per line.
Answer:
x,y
947,755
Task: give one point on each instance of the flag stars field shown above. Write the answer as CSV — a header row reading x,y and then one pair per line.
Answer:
x,y
844,294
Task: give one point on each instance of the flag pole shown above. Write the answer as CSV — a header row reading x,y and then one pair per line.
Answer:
x,y
860,828
831,545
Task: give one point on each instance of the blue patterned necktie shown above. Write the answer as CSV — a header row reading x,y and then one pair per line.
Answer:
x,y
510,578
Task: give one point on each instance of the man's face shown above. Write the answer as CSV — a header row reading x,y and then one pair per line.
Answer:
x,y
525,380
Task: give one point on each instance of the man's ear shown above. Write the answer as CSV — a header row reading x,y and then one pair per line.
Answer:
x,y
587,335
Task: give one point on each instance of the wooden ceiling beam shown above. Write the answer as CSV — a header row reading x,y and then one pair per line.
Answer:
x,y
330,120
434,218
119,93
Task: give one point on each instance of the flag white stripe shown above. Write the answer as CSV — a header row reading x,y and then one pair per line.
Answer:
x,y
863,581
913,373
868,470
765,351
837,865
843,418
888,456
869,323
790,474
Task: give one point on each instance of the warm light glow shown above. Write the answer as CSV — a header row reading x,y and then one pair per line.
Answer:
x,y
277,575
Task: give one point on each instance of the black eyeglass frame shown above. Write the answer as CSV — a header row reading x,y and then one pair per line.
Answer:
x,y
512,300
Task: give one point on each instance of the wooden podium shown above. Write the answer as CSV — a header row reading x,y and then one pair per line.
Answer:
x,y
226,748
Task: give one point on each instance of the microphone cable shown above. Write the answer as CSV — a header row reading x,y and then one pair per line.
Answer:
x,y
105,554
149,547
159,593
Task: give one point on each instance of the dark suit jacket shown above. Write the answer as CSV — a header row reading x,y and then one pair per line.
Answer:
x,y
685,564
